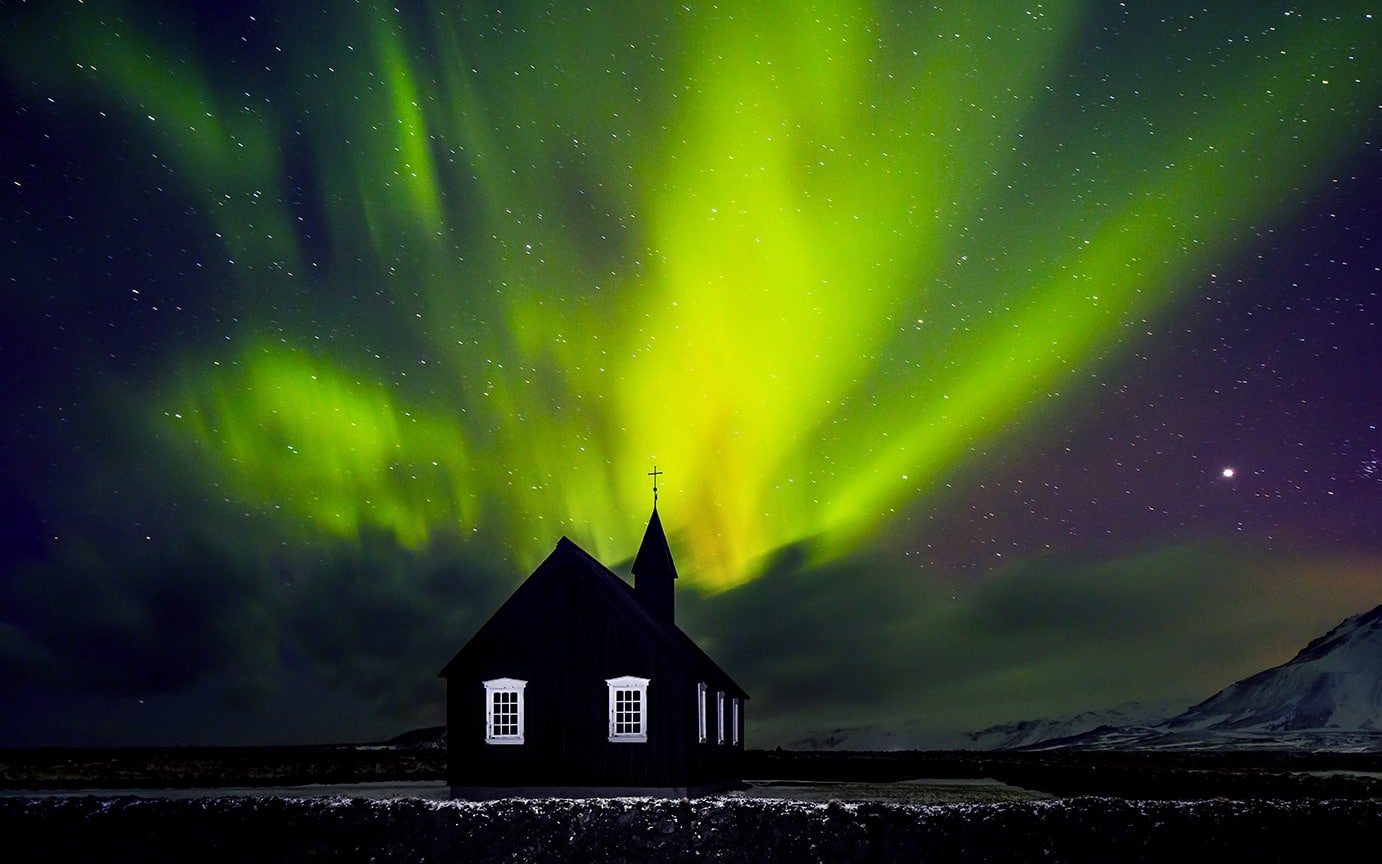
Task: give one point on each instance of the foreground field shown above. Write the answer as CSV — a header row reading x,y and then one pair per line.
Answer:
x,y
913,792
903,792
973,775
728,829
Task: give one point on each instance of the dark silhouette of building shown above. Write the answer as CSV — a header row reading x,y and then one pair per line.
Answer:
x,y
581,684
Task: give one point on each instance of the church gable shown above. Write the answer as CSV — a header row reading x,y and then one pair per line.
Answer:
x,y
567,604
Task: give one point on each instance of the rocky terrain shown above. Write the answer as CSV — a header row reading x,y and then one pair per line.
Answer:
x,y
726,829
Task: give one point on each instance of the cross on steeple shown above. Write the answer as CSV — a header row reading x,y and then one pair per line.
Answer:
x,y
655,474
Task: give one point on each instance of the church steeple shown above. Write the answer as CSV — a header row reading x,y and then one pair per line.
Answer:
x,y
654,574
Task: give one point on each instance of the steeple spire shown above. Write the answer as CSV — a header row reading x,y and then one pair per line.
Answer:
x,y
654,573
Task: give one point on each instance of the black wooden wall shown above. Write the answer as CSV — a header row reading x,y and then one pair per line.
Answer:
x,y
561,634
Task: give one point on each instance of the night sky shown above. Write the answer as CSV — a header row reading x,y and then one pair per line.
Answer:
x,y
1004,360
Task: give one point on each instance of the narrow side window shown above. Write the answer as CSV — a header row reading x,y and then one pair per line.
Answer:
x,y
734,721
720,716
504,710
701,713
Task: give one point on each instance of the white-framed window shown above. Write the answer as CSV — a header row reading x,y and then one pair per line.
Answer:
x,y
504,711
720,716
628,709
702,714
734,720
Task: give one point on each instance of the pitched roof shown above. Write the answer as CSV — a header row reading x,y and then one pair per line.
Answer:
x,y
620,594
654,556
676,639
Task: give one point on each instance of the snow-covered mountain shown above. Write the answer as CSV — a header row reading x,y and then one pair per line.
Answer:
x,y
1335,682
1028,733
1327,697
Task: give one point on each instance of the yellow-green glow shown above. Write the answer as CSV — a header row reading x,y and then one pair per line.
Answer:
x,y
797,221
804,262
1128,268
298,434
403,189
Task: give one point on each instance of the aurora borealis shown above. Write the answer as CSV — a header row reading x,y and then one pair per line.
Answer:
x,y
946,322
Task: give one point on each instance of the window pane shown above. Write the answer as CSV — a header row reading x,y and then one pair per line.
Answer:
x,y
505,713
628,714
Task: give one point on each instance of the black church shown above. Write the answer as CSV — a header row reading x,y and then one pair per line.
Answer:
x,y
582,685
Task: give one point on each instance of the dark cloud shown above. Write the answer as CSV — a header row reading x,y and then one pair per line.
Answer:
x,y
126,623
799,635
380,621
863,642
216,626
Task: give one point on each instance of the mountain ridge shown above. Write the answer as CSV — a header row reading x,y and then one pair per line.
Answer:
x,y
1327,697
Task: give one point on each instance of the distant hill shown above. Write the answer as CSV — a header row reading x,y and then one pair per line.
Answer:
x,y
1327,697
1028,733
430,738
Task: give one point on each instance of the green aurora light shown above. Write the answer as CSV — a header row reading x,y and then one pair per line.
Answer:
x,y
804,262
